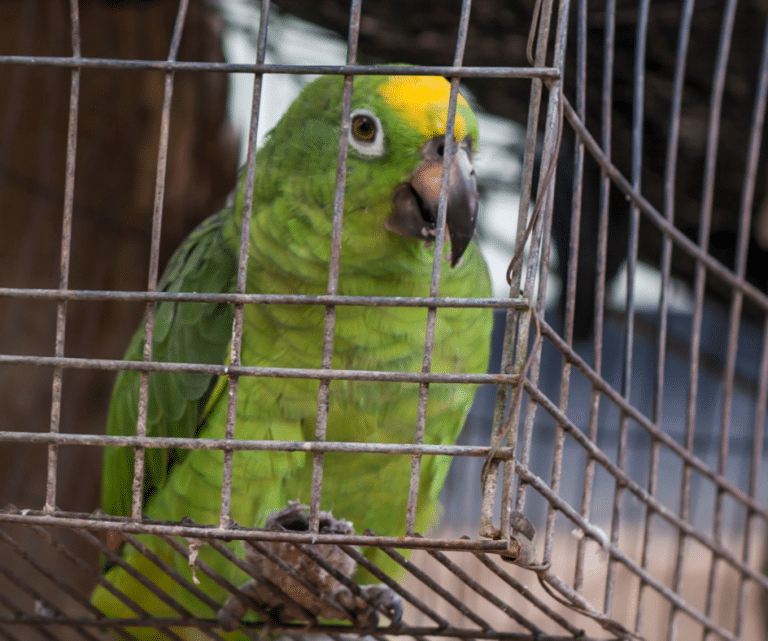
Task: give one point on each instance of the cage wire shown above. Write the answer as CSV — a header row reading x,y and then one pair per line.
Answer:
x,y
594,467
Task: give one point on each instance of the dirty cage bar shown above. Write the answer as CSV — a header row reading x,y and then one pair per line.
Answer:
x,y
614,451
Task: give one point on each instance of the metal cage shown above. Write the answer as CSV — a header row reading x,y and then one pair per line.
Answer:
x,y
645,528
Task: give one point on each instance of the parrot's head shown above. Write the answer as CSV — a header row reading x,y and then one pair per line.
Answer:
x,y
394,164
415,110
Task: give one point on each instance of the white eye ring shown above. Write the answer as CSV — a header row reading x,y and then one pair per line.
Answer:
x,y
366,135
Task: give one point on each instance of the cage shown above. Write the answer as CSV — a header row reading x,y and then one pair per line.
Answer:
x,y
609,481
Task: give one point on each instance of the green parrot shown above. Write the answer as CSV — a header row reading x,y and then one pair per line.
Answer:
x,y
394,170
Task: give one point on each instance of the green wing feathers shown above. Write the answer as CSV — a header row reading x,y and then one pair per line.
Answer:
x,y
183,333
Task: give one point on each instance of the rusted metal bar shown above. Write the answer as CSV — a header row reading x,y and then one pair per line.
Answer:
x,y
745,219
171,572
552,139
750,531
597,535
573,263
23,587
242,266
680,240
541,72
511,361
60,584
705,220
125,599
264,299
525,591
673,143
668,515
269,372
697,464
480,451
18,616
437,265
609,39
437,588
329,318
66,245
137,493
199,531
530,269
220,580
638,118
443,624
291,628
81,564
485,593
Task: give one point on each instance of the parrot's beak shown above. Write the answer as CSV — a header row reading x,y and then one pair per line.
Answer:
x,y
414,211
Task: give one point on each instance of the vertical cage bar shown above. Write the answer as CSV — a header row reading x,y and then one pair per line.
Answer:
x,y
570,304
673,140
66,244
638,116
154,260
758,119
434,287
745,220
505,424
329,321
529,266
713,129
609,40
540,240
501,416
242,266
754,477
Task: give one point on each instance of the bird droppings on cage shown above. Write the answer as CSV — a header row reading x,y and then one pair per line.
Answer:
x,y
310,577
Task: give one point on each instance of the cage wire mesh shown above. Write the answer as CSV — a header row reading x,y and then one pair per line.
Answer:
x,y
636,454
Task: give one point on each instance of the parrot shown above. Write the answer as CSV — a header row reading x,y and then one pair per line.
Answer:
x,y
397,133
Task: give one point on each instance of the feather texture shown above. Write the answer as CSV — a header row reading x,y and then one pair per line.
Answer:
x,y
289,250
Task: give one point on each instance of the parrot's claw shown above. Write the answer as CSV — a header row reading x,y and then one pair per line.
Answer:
x,y
317,594
384,599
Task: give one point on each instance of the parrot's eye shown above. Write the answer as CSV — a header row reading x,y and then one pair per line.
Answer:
x,y
367,134
364,128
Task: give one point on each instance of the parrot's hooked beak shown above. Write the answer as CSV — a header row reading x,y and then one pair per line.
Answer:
x,y
414,210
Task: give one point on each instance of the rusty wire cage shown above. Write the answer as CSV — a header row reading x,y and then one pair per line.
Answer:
x,y
600,422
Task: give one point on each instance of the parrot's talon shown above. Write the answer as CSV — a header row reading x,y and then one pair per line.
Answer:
x,y
522,547
307,590
384,599
317,594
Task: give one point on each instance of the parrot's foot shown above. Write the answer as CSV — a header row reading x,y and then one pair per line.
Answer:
x,y
379,598
522,546
295,585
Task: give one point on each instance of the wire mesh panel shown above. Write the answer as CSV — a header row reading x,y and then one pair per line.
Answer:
x,y
609,482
